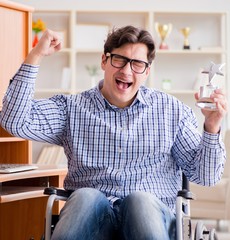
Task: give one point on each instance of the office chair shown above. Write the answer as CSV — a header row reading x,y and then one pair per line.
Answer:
x,y
183,219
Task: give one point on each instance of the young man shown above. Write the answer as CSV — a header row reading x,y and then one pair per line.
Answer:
x,y
127,145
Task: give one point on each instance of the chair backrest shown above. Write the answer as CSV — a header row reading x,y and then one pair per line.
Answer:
x,y
227,146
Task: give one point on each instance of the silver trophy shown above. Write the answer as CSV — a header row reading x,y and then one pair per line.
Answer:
x,y
204,101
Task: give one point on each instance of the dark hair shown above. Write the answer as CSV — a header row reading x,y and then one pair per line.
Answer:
x,y
129,34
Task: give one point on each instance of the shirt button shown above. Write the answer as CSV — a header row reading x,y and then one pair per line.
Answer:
x,y
120,150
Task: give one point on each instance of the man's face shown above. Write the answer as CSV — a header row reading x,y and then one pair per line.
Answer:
x,y
120,85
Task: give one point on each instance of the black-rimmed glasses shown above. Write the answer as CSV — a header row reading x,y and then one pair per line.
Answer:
x,y
119,61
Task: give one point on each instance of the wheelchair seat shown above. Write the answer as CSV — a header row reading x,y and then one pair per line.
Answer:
x,y
183,219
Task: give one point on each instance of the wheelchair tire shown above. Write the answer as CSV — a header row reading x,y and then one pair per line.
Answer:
x,y
200,230
212,235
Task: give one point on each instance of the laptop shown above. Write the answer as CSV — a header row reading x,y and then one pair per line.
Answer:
x,y
13,168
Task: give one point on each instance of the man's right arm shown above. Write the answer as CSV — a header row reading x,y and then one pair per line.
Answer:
x,y
32,119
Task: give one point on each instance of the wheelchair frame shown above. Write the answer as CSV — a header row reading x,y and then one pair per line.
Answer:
x,y
183,219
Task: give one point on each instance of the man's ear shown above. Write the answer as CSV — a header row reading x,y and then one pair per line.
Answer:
x,y
103,61
147,71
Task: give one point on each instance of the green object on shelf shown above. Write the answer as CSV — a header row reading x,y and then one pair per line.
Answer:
x,y
166,84
92,70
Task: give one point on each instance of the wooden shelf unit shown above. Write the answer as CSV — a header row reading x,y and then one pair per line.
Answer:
x,y
15,44
208,40
23,204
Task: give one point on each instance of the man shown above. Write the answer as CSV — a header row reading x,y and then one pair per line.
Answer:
x,y
127,145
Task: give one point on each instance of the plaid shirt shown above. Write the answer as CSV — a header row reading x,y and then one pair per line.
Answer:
x,y
142,147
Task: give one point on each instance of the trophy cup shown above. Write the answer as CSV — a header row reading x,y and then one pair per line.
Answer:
x,y
163,31
186,31
204,101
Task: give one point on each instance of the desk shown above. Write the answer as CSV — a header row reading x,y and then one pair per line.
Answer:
x,y
22,203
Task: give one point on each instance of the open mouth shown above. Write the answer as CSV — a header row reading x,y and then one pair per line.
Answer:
x,y
123,85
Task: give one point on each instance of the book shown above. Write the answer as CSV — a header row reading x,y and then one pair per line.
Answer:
x,y
52,155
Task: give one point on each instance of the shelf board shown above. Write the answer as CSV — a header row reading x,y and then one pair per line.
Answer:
x,y
167,51
11,139
15,193
210,51
88,50
58,91
66,50
54,91
177,92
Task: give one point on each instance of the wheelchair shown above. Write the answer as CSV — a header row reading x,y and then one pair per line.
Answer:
x,y
183,219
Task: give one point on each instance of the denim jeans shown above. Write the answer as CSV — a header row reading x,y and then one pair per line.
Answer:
x,y
87,215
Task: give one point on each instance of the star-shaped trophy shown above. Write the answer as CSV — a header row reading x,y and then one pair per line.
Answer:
x,y
205,102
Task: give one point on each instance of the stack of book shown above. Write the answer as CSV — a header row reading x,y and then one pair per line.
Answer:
x,y
52,155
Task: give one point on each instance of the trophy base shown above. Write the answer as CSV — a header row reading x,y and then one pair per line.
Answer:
x,y
163,46
207,106
205,102
186,47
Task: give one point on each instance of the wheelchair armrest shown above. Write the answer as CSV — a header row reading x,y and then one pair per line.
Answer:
x,y
55,194
186,194
57,191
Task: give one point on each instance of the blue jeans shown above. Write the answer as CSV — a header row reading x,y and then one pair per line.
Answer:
x,y
87,215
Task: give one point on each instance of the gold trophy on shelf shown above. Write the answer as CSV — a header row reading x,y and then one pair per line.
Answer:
x,y
163,31
186,31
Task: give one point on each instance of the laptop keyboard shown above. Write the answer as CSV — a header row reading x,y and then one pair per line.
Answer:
x,y
13,168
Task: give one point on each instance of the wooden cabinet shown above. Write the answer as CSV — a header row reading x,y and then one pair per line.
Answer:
x,y
15,39
14,149
15,42
23,204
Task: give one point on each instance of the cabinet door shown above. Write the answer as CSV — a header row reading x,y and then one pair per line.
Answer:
x,y
13,44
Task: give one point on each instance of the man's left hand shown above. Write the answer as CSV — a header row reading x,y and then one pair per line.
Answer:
x,y
213,119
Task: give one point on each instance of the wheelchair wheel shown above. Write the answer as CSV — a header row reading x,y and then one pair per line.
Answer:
x,y
200,230
212,235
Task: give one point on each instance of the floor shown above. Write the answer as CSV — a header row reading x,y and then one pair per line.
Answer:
x,y
223,236
222,228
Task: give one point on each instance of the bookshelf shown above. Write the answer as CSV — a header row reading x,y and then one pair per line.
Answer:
x,y
208,41
13,149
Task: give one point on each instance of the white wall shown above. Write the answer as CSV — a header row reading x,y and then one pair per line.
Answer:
x,y
183,5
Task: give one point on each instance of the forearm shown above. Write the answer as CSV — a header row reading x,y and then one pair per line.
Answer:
x,y
212,158
207,165
201,158
33,58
